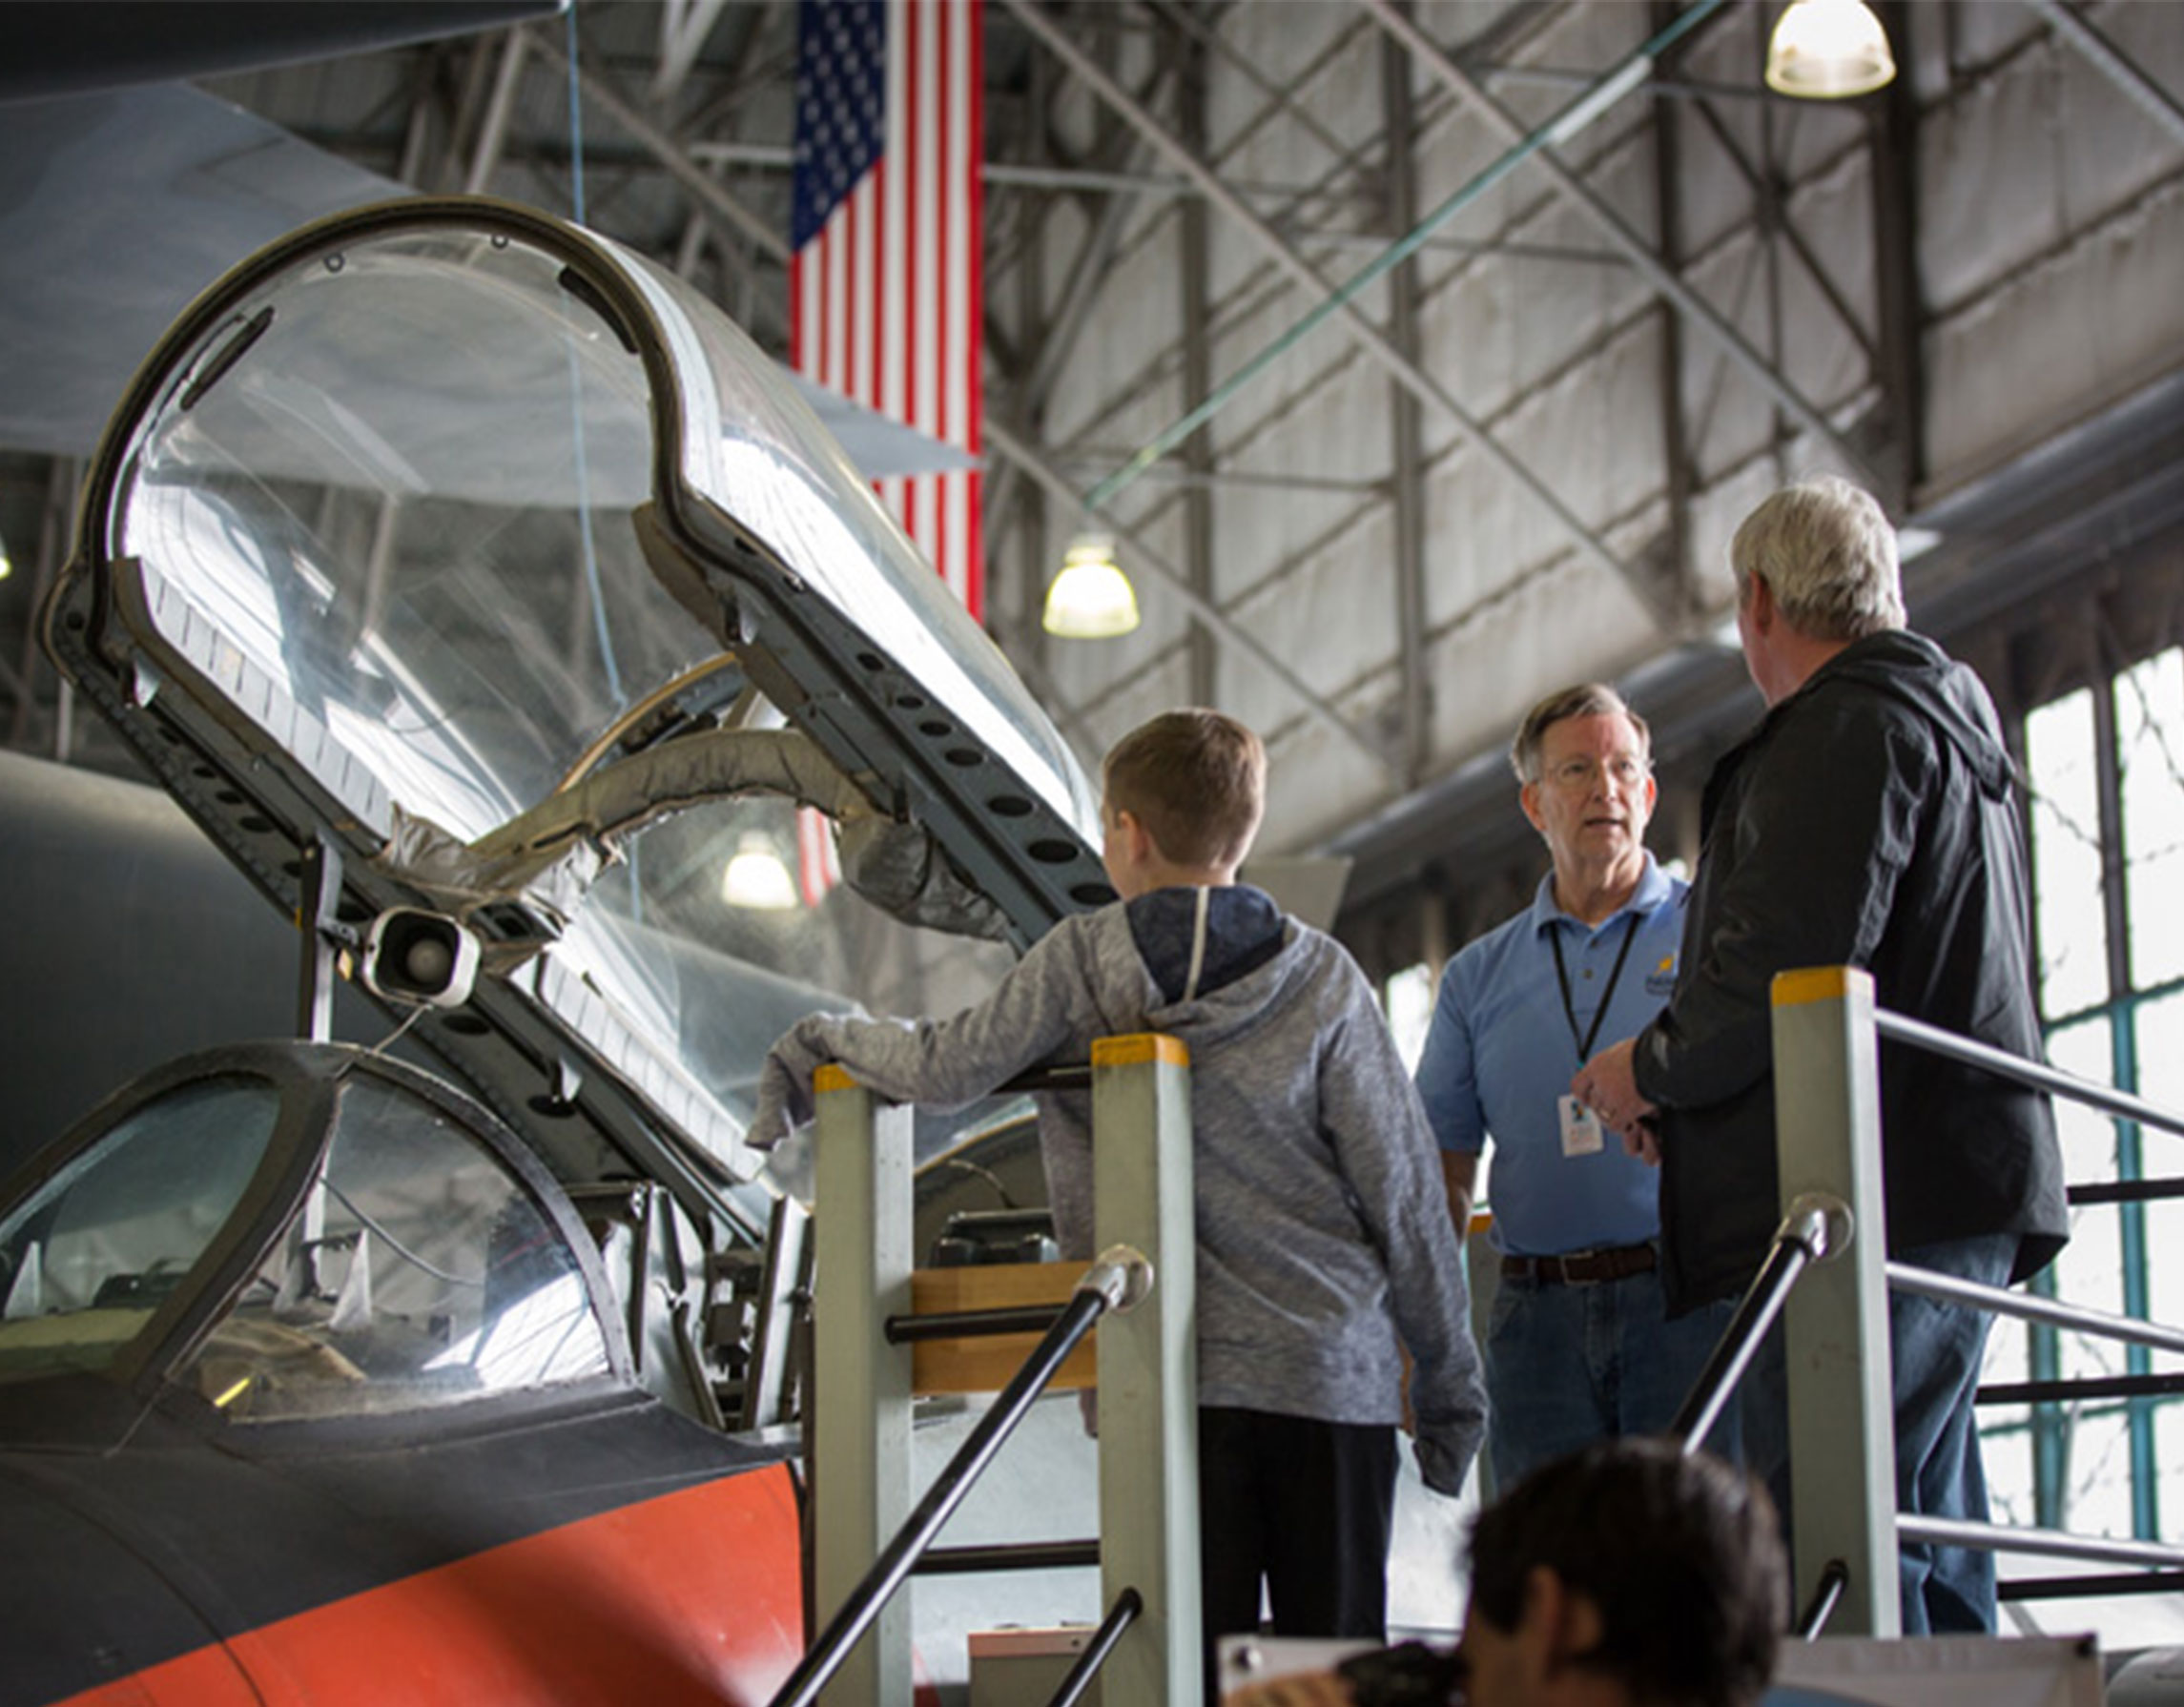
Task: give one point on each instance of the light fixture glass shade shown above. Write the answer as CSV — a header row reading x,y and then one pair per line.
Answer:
x,y
1825,49
1091,598
755,878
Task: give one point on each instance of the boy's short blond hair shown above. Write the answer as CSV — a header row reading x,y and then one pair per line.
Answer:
x,y
1196,780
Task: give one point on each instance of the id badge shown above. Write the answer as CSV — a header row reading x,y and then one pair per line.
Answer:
x,y
1581,1133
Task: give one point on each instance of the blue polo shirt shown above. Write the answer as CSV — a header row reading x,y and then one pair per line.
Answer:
x,y
1499,1054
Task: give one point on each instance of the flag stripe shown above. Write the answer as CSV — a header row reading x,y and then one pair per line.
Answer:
x,y
974,121
886,290
945,553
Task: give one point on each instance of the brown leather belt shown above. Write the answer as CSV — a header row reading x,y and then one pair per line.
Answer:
x,y
1582,1267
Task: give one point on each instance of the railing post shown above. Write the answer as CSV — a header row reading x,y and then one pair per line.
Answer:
x,y
859,1414
1842,1428
1148,1370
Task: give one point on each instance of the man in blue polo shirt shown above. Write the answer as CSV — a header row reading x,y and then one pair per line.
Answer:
x,y
1577,1344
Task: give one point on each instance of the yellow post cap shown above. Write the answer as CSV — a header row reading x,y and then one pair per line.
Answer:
x,y
1818,984
1139,1048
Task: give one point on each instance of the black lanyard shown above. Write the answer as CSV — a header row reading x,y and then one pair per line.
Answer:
x,y
1562,977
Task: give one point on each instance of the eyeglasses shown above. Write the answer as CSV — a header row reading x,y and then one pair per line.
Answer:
x,y
1574,775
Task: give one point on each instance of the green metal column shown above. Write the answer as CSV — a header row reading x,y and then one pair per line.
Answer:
x,y
858,1423
1148,1369
1842,1433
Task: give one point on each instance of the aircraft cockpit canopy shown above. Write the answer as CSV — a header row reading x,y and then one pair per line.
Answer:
x,y
485,556
300,1231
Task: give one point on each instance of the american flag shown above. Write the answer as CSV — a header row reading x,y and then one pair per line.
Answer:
x,y
885,281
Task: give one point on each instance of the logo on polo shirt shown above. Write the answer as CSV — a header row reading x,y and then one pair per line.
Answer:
x,y
1661,979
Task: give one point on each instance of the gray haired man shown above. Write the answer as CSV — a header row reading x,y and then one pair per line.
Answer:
x,y
1871,819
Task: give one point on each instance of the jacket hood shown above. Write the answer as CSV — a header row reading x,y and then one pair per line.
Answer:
x,y
1913,670
1218,958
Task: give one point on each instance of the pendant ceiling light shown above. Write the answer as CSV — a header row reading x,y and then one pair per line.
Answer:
x,y
757,877
1091,597
1826,50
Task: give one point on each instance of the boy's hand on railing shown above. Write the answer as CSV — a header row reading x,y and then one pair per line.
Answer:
x,y
785,1100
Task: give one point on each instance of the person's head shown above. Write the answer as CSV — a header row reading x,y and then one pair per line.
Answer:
x,y
1181,799
1628,1565
1819,556
1584,761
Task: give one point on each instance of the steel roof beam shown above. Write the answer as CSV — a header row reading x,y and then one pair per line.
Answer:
x,y
2113,64
684,26
1001,439
1694,307
1404,371
493,132
670,154
1414,690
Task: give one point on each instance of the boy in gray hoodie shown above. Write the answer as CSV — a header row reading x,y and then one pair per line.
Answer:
x,y
1324,1244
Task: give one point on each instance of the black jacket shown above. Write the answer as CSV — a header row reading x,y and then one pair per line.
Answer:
x,y
1869,820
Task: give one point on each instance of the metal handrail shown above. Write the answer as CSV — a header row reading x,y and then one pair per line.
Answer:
x,y
2038,1074
2053,1544
1008,1555
1118,1281
2078,1588
1815,1227
2088,1390
2027,1306
2123,1191
1834,1579
2158,1560
969,1324
1128,1604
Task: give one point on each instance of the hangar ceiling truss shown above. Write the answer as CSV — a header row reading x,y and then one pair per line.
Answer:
x,y
1417,355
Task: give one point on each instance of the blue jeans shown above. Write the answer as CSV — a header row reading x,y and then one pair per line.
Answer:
x,y
1567,1364
1935,1355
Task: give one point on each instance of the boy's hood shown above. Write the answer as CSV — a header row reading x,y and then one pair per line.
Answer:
x,y
1247,967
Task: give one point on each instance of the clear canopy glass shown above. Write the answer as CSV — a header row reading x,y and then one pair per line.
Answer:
x,y
418,1273
389,506
406,1265
89,1256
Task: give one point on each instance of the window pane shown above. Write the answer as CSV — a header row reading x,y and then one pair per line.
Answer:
x,y
1410,1012
2161,1083
2149,743
2005,1430
420,1273
2089,1271
2066,856
2097,1486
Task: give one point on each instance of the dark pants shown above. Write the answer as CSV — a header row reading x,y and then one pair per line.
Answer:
x,y
1307,1508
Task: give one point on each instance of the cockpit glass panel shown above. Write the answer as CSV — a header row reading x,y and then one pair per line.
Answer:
x,y
747,888
754,447
387,509
403,506
89,1256
420,1272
